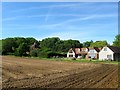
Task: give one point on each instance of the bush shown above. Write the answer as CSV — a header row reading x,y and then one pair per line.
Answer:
x,y
34,53
83,56
73,58
17,53
49,54
42,54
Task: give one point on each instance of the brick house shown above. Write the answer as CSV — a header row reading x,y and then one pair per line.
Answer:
x,y
93,53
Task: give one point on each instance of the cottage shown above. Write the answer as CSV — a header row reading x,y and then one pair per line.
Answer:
x,y
78,52
83,52
93,53
71,53
109,53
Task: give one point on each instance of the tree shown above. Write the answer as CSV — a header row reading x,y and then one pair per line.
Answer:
x,y
87,43
0,47
49,43
19,40
8,46
116,42
21,50
99,44
30,41
34,53
65,45
71,44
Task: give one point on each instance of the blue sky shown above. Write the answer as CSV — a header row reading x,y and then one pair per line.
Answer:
x,y
74,20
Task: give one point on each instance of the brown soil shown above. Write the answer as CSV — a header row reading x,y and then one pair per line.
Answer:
x,y
31,73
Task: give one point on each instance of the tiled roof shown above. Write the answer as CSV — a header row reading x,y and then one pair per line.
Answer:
x,y
96,48
114,49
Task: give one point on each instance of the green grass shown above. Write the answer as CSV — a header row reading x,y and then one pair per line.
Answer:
x,y
0,44
78,60
0,47
69,60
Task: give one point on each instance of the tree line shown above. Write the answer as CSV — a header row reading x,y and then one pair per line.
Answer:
x,y
48,47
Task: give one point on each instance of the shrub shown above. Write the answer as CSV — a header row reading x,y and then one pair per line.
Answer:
x,y
34,53
42,54
73,58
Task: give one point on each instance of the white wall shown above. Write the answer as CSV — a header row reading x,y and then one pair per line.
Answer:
x,y
93,51
68,54
103,54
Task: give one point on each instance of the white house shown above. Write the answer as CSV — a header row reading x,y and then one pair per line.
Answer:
x,y
71,53
78,52
109,53
93,53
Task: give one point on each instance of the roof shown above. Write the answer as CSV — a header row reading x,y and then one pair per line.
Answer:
x,y
77,50
71,50
114,49
95,48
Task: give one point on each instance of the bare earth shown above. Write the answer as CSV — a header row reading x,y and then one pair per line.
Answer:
x,y
31,73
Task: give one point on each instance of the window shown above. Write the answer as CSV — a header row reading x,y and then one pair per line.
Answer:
x,y
92,51
109,56
105,49
92,55
83,51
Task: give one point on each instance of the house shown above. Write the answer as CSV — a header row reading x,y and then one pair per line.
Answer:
x,y
83,52
109,53
93,53
78,52
71,53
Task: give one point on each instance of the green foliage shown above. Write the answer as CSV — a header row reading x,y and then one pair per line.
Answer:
x,y
34,53
21,50
64,46
57,45
43,54
71,44
0,47
49,54
17,46
116,42
99,44
48,47
87,43
8,46
49,43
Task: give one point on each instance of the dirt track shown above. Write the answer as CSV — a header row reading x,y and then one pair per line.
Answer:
x,y
27,73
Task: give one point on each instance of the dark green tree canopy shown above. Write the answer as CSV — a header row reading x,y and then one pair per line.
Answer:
x,y
21,46
116,42
49,43
8,45
87,43
99,44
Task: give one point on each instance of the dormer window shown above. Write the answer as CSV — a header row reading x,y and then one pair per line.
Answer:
x,y
105,49
92,51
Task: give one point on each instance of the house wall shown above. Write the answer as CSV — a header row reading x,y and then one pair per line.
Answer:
x,y
68,54
103,54
93,52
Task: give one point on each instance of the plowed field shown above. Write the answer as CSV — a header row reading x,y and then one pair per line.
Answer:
x,y
30,73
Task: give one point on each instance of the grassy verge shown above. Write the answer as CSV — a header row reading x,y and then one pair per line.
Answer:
x,y
69,60
78,60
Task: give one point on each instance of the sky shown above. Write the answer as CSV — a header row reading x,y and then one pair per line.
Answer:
x,y
83,21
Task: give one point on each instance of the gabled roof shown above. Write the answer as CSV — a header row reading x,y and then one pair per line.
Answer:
x,y
95,48
77,50
114,49
71,50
